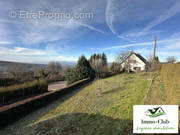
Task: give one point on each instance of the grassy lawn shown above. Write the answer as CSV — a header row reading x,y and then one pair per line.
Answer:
x,y
103,107
156,94
170,75
165,88
119,93
87,112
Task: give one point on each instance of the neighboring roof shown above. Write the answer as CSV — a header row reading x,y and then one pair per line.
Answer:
x,y
139,56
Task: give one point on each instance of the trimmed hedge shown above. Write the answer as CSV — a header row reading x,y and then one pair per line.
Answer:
x,y
18,91
15,111
4,82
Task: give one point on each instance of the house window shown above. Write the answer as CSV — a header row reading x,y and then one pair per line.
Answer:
x,y
137,68
132,61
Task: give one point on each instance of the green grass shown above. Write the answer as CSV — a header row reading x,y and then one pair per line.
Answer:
x,y
156,94
119,94
18,91
86,111
170,74
165,88
26,85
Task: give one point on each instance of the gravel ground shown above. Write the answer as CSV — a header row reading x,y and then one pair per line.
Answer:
x,y
57,85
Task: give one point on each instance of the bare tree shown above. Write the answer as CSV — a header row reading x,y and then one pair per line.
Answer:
x,y
171,59
122,58
16,72
43,72
99,63
153,63
150,63
115,67
54,67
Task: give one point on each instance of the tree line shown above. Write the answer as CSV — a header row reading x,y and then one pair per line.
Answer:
x,y
95,67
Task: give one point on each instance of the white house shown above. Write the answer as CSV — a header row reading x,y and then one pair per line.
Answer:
x,y
135,61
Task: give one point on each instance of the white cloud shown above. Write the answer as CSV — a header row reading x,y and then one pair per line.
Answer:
x,y
109,16
29,31
127,45
175,41
173,46
162,54
27,55
21,51
176,35
70,59
91,28
4,42
134,33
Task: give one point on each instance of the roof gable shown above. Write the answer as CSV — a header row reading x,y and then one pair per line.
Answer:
x,y
141,58
137,55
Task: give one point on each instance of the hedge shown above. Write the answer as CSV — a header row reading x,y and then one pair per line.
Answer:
x,y
13,112
18,91
4,82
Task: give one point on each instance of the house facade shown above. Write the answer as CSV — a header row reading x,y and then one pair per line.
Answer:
x,y
135,62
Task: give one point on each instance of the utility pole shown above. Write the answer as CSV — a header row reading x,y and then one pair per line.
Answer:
x,y
155,39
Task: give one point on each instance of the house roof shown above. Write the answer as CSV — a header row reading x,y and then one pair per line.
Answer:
x,y
139,56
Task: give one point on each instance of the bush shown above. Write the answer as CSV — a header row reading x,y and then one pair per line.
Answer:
x,y
71,76
81,71
116,67
55,78
17,91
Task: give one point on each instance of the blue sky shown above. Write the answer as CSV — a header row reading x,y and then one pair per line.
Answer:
x,y
113,26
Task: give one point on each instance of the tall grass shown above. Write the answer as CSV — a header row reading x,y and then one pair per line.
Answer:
x,y
171,77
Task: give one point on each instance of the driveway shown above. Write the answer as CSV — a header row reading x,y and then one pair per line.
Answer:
x,y
56,85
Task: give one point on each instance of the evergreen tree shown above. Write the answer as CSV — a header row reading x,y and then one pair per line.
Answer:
x,y
84,69
81,71
104,60
99,63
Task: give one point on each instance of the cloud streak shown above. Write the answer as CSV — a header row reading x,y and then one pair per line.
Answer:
x,y
4,42
122,12
110,18
163,17
91,28
140,44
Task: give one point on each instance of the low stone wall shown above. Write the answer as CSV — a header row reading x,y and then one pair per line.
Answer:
x,y
13,112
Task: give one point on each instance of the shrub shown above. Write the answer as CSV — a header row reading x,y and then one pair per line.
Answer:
x,y
17,91
81,71
116,67
55,78
71,76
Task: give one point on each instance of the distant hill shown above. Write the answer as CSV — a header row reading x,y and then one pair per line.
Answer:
x,y
68,63
5,65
